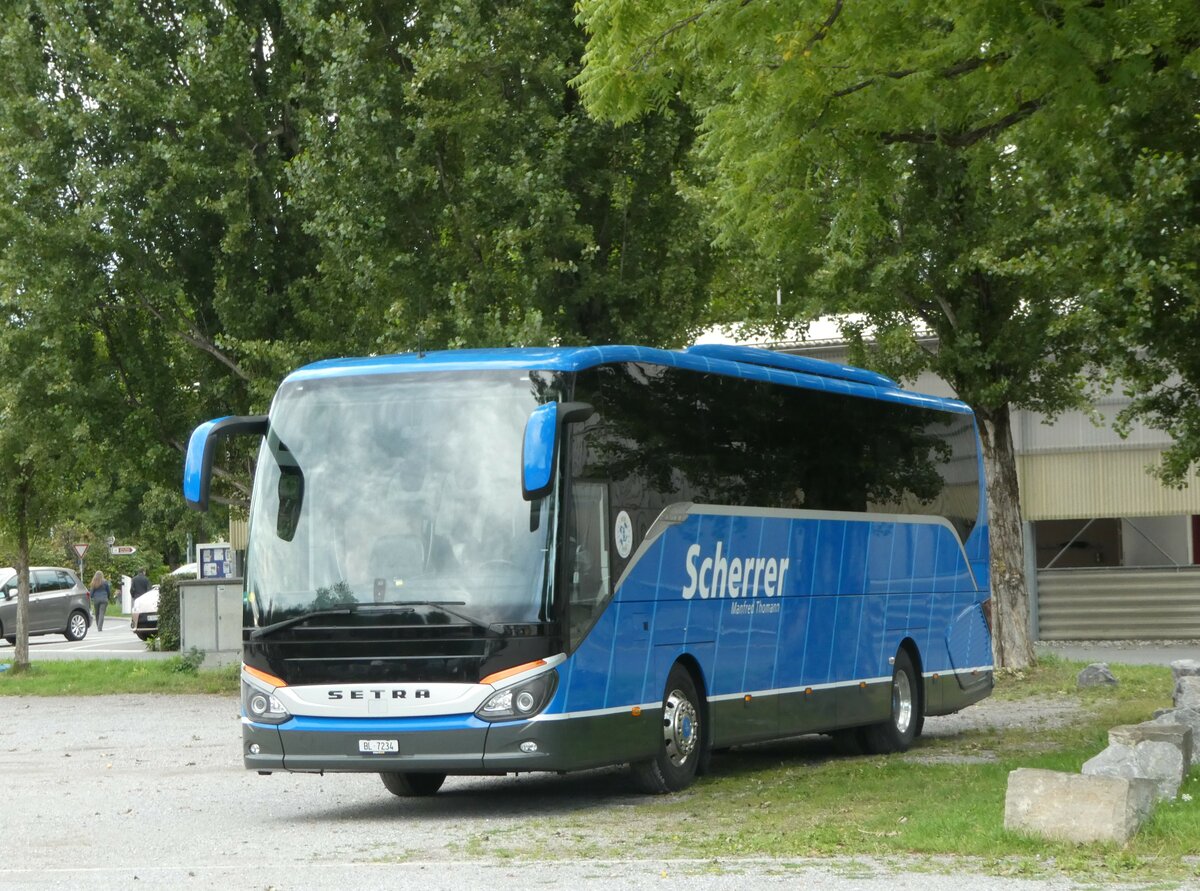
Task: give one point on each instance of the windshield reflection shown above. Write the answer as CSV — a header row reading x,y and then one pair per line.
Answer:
x,y
400,489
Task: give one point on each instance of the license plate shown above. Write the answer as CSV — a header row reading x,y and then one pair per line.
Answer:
x,y
153,617
378,746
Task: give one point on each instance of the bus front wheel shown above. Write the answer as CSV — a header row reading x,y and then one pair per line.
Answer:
x,y
681,745
411,785
897,733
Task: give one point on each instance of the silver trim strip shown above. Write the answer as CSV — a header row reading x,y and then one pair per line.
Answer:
x,y
724,697
678,512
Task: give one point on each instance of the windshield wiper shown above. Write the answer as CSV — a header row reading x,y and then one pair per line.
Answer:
x,y
296,620
393,605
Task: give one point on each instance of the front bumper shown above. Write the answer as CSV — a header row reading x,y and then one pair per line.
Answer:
x,y
144,623
454,745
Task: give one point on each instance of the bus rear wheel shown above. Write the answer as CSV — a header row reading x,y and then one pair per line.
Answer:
x,y
413,785
897,733
681,746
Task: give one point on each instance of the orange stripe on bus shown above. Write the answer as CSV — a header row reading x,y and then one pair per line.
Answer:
x,y
509,672
263,676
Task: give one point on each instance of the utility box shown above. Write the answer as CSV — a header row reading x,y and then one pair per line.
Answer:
x,y
210,619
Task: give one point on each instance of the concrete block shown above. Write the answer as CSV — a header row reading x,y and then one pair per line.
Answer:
x,y
1160,753
1096,675
1185,668
1076,808
1187,716
1187,692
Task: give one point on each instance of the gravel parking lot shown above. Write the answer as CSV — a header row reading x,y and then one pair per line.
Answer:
x,y
149,792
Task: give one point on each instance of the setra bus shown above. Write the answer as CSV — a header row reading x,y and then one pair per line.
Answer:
x,y
494,561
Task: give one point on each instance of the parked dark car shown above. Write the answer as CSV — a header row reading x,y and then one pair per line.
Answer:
x,y
58,603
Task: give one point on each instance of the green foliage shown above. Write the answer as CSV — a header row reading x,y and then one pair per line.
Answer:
x,y
88,677
460,196
913,167
187,663
195,202
168,637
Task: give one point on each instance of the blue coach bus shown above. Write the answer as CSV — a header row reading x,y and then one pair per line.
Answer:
x,y
496,561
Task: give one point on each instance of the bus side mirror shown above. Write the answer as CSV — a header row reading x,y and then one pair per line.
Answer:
x,y
202,447
540,444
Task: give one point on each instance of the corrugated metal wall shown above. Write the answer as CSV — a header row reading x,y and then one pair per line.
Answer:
x,y
1100,483
239,533
1119,604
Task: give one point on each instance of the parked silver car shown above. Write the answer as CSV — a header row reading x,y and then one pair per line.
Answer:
x,y
58,603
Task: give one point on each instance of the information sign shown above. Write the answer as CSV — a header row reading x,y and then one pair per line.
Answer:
x,y
216,560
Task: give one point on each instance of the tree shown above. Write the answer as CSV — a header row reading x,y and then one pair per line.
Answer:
x,y
38,444
238,188
451,177
1137,237
910,166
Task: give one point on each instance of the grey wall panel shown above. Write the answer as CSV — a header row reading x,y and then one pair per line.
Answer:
x,y
1119,604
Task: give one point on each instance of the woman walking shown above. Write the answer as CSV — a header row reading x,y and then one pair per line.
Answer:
x,y
100,590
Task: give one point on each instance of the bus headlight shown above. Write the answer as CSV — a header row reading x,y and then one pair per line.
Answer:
x,y
522,700
262,706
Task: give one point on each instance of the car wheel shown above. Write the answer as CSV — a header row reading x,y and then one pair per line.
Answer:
x,y
413,785
681,748
12,641
897,733
77,626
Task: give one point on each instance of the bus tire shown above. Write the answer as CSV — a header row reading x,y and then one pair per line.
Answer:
x,y
897,733
681,746
413,785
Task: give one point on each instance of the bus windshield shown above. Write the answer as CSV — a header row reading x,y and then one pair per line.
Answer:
x,y
376,494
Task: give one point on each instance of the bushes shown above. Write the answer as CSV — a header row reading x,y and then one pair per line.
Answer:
x,y
168,614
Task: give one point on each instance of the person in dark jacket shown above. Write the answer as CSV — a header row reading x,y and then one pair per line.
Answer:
x,y
140,585
100,590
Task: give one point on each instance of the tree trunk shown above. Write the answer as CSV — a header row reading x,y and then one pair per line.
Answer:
x,y
21,660
1011,646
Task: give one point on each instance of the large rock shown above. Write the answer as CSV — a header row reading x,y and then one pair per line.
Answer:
x,y
1183,668
1187,692
1076,808
1189,717
1160,753
1096,675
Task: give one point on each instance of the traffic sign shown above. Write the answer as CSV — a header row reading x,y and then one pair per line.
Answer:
x,y
80,550
122,550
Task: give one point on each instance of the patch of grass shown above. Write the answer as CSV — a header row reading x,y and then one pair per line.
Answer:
x,y
90,677
799,798
1055,677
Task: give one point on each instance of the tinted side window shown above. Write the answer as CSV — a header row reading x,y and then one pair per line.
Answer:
x,y
664,435
64,580
41,580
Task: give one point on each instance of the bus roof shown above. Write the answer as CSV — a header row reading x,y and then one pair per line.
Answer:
x,y
752,363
